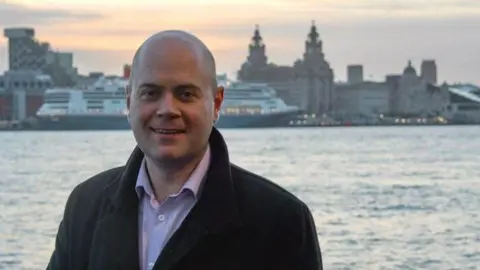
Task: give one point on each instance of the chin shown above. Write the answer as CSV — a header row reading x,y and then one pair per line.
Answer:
x,y
166,154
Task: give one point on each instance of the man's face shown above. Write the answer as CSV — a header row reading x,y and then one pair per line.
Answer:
x,y
172,104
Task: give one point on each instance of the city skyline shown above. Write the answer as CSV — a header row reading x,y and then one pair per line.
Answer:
x,y
381,36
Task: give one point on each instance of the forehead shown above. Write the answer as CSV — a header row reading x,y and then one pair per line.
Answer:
x,y
172,61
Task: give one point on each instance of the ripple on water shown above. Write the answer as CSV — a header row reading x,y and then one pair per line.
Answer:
x,y
382,198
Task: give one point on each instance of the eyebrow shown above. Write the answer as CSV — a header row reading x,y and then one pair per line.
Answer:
x,y
160,87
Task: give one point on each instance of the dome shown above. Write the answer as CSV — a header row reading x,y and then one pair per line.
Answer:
x,y
410,69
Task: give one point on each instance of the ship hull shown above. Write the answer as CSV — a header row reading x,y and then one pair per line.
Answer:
x,y
84,122
256,121
120,122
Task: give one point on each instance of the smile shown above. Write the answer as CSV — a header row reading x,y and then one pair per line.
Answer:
x,y
167,131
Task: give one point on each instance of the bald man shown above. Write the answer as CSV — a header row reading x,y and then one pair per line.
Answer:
x,y
179,203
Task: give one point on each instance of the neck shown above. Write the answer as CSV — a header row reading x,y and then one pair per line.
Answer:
x,y
167,178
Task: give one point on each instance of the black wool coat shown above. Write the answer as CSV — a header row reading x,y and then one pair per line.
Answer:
x,y
241,221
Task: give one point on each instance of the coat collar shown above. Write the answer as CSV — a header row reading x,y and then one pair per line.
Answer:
x,y
216,210
218,195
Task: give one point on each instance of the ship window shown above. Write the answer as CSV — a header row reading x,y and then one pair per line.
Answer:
x,y
15,84
2,84
57,98
469,107
242,110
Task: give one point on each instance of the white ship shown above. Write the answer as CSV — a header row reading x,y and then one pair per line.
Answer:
x,y
464,105
254,105
102,106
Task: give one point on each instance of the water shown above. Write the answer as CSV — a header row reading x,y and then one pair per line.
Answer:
x,y
382,198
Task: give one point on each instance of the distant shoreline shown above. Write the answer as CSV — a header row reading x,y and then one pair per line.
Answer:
x,y
276,127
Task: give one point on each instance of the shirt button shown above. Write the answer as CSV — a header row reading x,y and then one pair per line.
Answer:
x,y
161,217
150,265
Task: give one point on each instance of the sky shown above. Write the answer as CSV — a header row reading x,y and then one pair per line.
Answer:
x,y
383,35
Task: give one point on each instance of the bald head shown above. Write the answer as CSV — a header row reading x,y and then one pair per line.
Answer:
x,y
158,45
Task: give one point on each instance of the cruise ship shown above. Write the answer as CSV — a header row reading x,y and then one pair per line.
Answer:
x,y
102,106
254,105
464,105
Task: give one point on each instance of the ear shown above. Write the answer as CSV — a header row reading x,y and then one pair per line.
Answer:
x,y
217,101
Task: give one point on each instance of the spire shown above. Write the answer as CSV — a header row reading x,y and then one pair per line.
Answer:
x,y
313,46
257,56
313,35
257,38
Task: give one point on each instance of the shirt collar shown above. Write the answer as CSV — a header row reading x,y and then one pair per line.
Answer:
x,y
193,183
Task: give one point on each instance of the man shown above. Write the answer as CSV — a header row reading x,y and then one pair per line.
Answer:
x,y
179,203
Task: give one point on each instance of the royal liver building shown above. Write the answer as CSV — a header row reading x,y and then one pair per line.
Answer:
x,y
314,77
307,84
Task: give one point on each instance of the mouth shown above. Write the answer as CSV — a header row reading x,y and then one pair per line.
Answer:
x,y
167,131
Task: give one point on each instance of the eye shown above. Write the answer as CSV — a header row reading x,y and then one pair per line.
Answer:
x,y
148,94
186,95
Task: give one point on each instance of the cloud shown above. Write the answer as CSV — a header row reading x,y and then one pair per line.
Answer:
x,y
354,10
284,37
269,5
385,5
15,14
379,34
108,61
138,23
126,26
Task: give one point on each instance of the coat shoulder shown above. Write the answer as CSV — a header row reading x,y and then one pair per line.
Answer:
x,y
277,221
90,191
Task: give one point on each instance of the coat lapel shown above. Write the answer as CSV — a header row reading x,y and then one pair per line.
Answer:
x,y
116,240
115,244
215,212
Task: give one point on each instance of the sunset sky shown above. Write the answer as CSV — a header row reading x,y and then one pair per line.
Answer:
x,y
380,34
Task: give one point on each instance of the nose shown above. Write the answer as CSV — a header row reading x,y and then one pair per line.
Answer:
x,y
167,106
